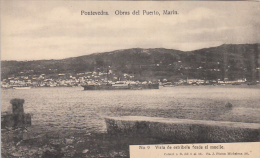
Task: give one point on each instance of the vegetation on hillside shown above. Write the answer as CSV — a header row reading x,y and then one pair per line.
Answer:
x,y
232,61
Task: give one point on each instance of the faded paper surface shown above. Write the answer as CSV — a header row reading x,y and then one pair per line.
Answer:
x,y
57,30
226,150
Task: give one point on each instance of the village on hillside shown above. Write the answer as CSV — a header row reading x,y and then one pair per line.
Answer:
x,y
68,80
225,64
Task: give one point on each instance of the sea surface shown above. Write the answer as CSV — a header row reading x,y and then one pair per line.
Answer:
x,y
69,122
71,108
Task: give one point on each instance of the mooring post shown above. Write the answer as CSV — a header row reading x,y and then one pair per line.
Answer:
x,y
17,106
17,118
18,112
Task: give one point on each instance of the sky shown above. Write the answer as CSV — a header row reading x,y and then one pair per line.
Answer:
x,y
36,30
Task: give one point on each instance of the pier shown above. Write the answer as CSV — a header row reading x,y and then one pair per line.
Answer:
x,y
184,130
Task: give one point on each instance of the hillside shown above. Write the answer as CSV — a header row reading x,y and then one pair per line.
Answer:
x,y
225,61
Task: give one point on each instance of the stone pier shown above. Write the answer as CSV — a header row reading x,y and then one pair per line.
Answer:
x,y
17,118
184,130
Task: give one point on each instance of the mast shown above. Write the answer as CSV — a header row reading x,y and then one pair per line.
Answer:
x,y
107,75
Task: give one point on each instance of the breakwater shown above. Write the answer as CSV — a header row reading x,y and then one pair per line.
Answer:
x,y
184,130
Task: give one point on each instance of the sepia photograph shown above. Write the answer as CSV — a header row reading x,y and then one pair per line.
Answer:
x,y
129,79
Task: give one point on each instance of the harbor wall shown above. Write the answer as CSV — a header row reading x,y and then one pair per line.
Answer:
x,y
184,130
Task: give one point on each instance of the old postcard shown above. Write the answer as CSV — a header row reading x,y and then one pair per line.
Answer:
x,y
130,79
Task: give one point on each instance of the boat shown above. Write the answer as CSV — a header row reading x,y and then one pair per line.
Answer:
x,y
21,87
252,83
120,85
236,83
168,84
6,86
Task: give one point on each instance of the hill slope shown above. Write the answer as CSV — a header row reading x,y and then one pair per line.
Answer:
x,y
225,61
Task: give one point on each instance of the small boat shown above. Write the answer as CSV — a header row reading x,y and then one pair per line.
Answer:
x,y
236,83
252,83
168,84
21,87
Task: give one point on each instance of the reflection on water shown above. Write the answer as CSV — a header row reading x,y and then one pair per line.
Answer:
x,y
74,108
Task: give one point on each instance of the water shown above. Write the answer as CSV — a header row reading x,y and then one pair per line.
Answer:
x,y
73,108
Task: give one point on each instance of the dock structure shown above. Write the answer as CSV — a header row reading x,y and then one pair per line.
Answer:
x,y
184,130
17,118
